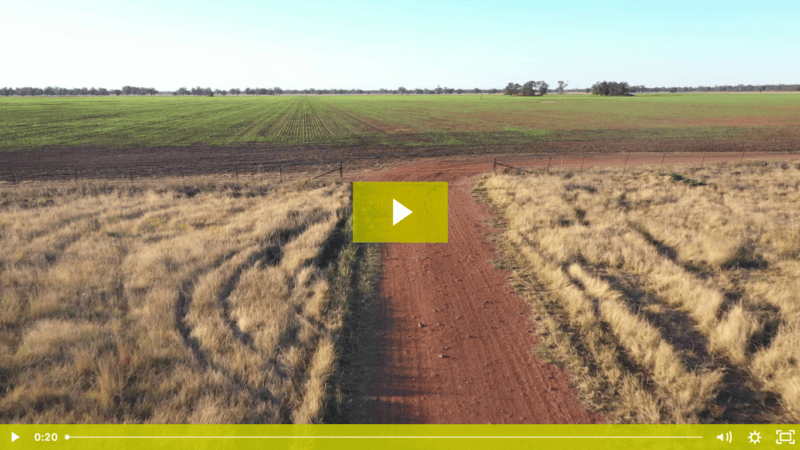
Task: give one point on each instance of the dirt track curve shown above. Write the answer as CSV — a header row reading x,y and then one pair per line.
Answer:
x,y
471,362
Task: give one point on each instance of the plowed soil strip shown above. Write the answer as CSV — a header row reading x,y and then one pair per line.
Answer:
x,y
456,341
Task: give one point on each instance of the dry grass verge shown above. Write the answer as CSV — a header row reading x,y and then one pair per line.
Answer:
x,y
678,289
165,302
354,283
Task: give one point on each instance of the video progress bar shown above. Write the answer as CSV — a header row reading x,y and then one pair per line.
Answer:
x,y
383,437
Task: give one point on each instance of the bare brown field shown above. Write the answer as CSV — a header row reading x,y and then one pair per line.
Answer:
x,y
165,302
670,295
263,161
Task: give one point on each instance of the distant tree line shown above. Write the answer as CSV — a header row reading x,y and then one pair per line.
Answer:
x,y
723,88
611,88
59,91
439,90
614,88
200,91
531,88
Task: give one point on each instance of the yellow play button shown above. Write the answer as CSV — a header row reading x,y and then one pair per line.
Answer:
x,y
412,212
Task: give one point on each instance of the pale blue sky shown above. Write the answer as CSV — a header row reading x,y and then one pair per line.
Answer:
x,y
297,44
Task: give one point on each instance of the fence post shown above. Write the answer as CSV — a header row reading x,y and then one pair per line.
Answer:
x,y
562,164
130,171
76,176
494,166
627,155
703,160
280,174
341,172
583,161
548,164
742,157
662,160
236,169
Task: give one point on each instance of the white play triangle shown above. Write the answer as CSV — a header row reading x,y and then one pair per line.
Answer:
x,y
14,437
399,212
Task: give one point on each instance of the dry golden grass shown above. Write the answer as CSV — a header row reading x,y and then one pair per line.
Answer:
x,y
682,286
162,303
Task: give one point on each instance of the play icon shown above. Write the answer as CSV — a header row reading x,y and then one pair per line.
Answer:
x,y
399,212
411,212
14,436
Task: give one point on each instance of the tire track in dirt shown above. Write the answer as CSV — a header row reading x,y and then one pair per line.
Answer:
x,y
183,304
470,361
270,255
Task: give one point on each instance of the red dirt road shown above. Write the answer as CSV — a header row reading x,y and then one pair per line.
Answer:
x,y
471,362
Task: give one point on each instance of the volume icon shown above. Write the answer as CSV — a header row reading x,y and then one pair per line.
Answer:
x,y
725,436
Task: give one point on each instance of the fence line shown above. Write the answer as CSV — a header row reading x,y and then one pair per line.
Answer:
x,y
494,169
568,161
341,173
180,170
585,161
18,173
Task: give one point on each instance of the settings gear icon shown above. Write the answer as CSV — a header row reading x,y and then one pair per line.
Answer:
x,y
755,437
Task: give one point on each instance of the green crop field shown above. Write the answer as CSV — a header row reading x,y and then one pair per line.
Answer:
x,y
467,120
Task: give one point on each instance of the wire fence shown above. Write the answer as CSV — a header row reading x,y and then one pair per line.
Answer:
x,y
527,163
628,160
133,172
